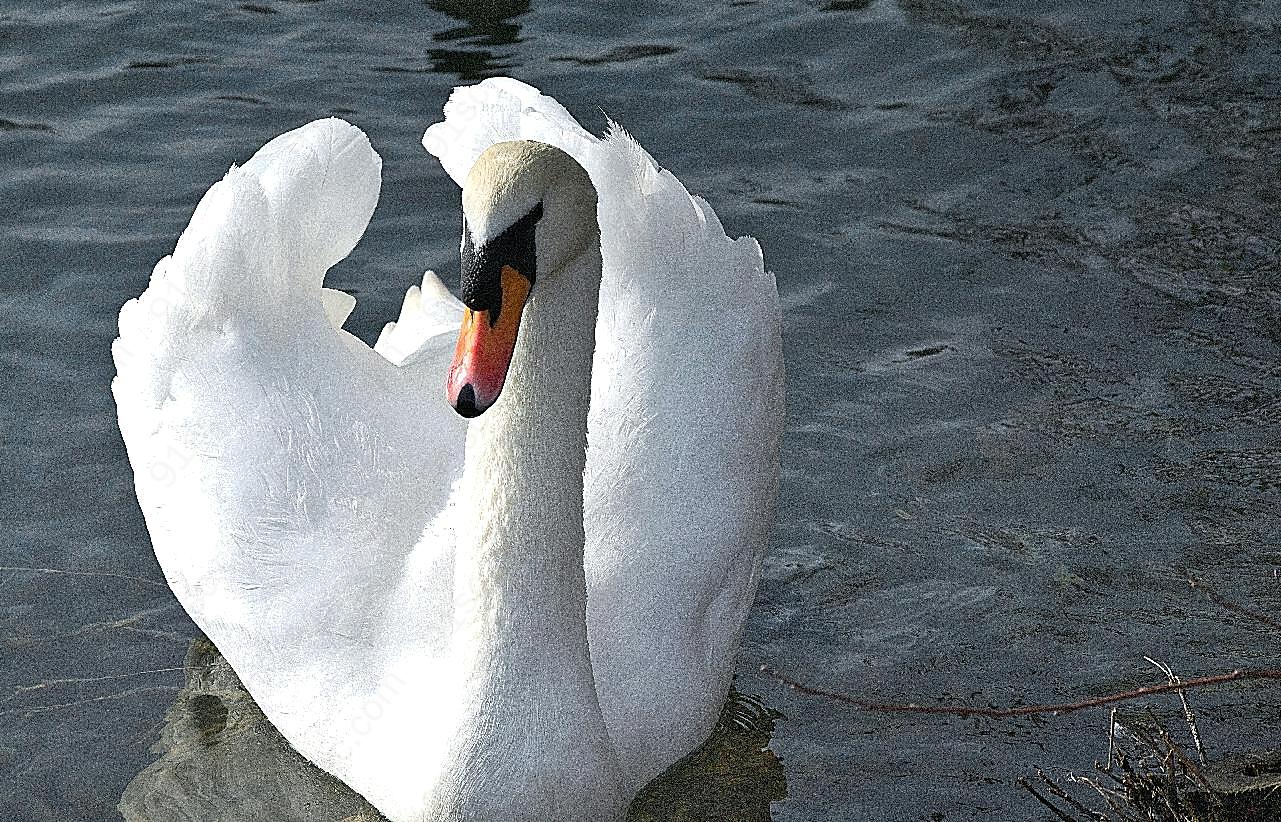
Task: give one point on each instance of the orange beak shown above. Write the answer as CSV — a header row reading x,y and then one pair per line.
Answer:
x,y
484,351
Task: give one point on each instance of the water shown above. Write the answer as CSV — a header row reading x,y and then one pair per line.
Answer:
x,y
1028,255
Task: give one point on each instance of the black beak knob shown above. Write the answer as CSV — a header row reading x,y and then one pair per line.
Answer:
x,y
465,405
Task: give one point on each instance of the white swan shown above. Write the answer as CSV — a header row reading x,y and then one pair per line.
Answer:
x,y
533,636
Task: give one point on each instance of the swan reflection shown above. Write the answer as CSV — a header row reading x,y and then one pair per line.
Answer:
x,y
222,761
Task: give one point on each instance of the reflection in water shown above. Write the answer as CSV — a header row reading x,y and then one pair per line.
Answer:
x,y
733,777
222,761
485,25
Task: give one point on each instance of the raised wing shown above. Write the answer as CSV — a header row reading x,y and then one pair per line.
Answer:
x,y
686,412
293,480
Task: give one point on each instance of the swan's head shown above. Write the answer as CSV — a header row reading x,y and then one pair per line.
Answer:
x,y
528,210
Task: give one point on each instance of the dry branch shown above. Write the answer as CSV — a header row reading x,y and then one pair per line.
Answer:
x,y
1239,675
1223,602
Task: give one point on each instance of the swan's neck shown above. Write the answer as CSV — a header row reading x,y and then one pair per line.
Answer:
x,y
520,585
520,596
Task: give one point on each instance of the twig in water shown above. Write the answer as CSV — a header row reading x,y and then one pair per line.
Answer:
x,y
19,690
1187,709
1173,753
1114,799
40,709
1223,602
1027,786
1066,798
1111,735
1239,675
61,572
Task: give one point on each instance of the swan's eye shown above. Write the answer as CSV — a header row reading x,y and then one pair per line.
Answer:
x,y
482,265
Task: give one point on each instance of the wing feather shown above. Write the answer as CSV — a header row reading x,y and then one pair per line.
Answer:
x,y
287,472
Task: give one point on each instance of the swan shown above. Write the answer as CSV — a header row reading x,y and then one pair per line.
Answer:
x,y
497,566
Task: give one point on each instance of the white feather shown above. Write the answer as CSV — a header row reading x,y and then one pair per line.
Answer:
x,y
297,484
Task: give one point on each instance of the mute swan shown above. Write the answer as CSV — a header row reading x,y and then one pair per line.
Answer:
x,y
532,632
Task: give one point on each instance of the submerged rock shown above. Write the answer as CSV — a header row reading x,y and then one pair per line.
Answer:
x,y
1239,787
221,760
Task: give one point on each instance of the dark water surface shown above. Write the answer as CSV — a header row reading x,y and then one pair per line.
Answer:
x,y
1029,259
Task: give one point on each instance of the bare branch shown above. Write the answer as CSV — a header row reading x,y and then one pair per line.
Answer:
x,y
1188,716
1239,675
1027,786
1067,798
1223,602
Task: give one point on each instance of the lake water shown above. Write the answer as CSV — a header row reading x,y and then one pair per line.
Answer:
x,y
1028,254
